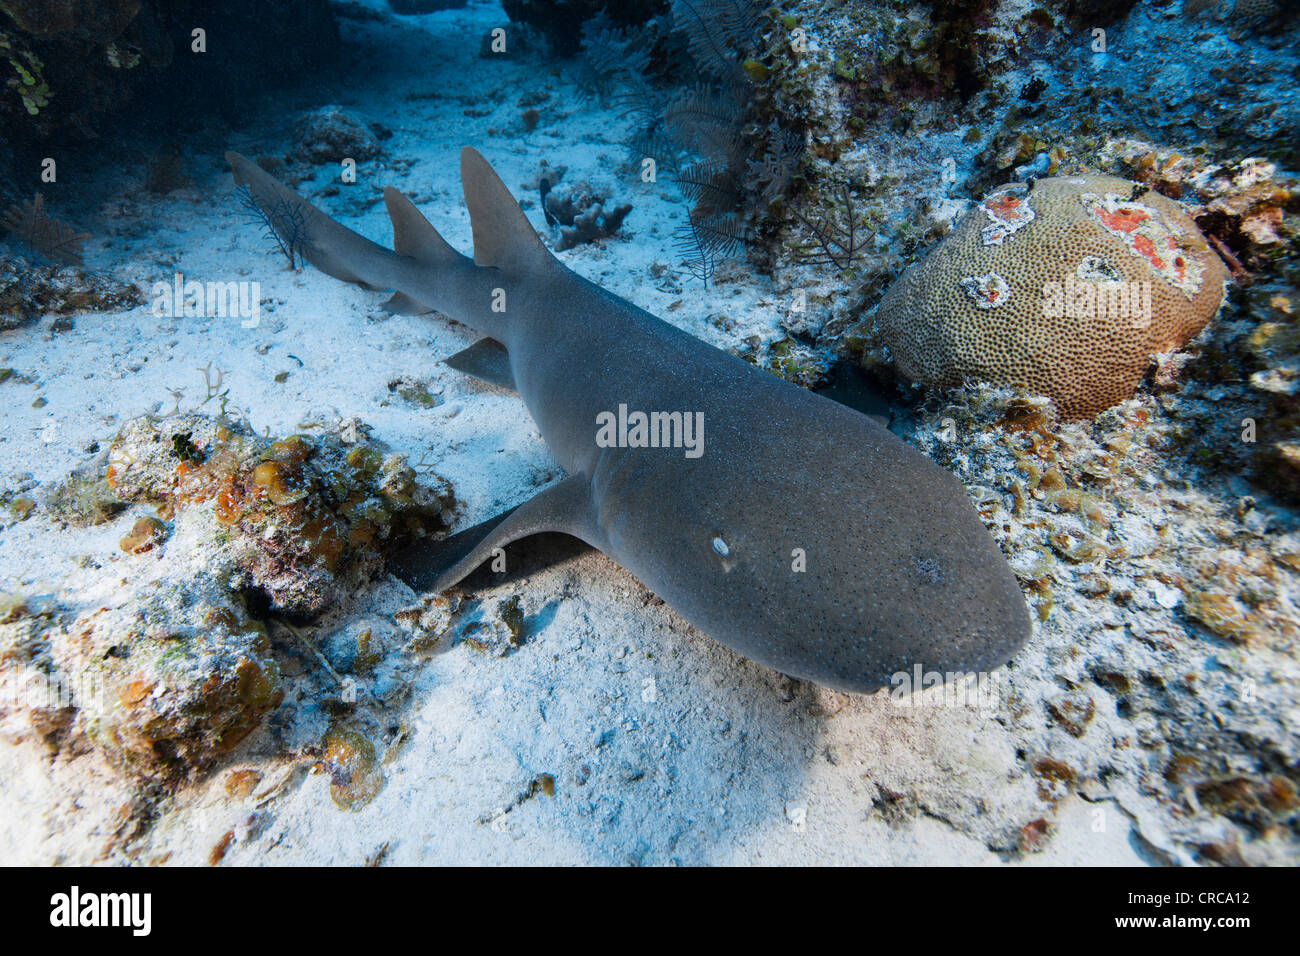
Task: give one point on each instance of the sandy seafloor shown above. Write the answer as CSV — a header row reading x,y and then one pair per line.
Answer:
x,y
664,746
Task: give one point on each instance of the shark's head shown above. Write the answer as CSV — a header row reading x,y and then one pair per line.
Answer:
x,y
824,547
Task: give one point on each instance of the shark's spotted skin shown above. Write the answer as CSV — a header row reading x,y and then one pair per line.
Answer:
x,y
806,536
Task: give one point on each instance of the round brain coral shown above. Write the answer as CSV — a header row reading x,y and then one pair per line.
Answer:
x,y
1066,287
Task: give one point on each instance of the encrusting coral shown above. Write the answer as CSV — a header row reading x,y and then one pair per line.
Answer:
x,y
301,518
1067,286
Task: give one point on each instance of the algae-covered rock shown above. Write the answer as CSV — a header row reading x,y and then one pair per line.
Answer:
x,y
28,292
84,499
331,134
167,669
299,520
161,683
356,776
170,680
36,704
1166,653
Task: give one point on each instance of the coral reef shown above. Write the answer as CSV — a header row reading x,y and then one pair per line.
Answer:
x,y
1068,286
169,682
28,292
1149,538
300,521
1167,603
895,64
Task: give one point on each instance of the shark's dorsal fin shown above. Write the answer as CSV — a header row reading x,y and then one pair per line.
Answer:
x,y
503,237
413,235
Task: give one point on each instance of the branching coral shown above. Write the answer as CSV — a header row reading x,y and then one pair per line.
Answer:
x,y
581,215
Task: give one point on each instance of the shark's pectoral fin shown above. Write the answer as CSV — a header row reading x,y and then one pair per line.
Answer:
x,y
486,359
566,507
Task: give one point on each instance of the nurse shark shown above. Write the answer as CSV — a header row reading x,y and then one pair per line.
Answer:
x,y
790,528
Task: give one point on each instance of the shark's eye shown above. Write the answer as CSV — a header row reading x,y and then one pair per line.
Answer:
x,y
720,547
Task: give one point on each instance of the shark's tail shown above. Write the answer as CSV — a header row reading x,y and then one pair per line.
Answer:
x,y
309,233
503,239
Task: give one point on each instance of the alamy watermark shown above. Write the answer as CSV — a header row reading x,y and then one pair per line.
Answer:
x,y
1103,297
133,911
653,430
36,690
977,690
189,298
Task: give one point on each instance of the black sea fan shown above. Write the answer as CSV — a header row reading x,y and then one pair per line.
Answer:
x,y
610,57
50,239
284,222
733,162
836,236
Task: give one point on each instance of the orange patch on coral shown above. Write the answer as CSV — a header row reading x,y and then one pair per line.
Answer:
x,y
1124,219
1003,206
1148,250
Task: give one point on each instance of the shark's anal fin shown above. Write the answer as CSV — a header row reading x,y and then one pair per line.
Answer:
x,y
486,359
565,507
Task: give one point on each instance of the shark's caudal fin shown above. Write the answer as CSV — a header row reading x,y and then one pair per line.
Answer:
x,y
503,237
422,269
338,251
332,248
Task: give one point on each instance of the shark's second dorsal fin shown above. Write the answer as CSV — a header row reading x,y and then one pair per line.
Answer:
x,y
413,235
503,237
